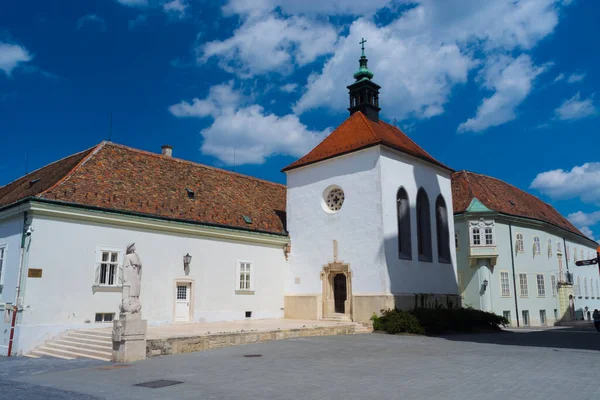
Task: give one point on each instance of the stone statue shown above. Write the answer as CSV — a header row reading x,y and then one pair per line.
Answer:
x,y
129,331
132,285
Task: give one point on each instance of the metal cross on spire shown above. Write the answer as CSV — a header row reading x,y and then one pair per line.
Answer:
x,y
362,43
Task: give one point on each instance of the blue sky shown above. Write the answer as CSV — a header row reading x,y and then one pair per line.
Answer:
x,y
503,88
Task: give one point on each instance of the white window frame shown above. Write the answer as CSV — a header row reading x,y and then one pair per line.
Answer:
x,y
525,315
541,289
553,283
3,246
524,293
575,254
543,318
585,287
504,293
558,248
481,226
537,245
578,289
118,281
250,278
549,248
520,243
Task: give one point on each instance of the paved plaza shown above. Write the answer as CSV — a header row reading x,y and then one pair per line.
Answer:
x,y
520,364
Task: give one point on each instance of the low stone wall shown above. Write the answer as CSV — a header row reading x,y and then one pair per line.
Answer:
x,y
179,345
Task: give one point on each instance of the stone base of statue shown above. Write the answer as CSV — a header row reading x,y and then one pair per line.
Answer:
x,y
129,338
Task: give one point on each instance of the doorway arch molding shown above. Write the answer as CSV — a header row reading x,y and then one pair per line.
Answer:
x,y
328,274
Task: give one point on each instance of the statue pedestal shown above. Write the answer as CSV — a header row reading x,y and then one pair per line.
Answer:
x,y
129,338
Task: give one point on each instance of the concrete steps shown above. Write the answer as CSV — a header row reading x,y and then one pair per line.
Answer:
x,y
88,343
362,328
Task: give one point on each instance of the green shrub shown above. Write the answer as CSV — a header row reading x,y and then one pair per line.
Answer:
x,y
396,321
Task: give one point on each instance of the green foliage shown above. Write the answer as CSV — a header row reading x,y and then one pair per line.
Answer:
x,y
437,320
396,321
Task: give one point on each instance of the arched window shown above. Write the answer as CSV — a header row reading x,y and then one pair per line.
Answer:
x,y
423,226
558,248
443,236
549,248
536,245
578,291
585,286
403,208
520,245
574,253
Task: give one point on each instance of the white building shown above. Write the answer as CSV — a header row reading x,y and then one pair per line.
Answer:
x,y
369,216
516,254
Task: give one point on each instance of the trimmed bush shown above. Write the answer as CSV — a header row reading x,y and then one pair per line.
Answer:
x,y
437,320
396,321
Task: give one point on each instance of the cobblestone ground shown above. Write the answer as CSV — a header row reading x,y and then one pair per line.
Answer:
x,y
532,364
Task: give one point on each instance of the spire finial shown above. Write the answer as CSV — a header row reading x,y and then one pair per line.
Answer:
x,y
362,43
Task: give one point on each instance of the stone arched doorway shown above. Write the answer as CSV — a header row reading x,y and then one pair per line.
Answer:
x,y
337,291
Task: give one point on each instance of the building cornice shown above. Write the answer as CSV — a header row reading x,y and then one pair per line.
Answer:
x,y
107,217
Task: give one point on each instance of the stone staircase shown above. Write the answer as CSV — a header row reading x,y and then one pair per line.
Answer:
x,y
362,328
87,343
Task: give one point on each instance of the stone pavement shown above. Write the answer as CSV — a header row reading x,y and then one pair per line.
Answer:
x,y
519,364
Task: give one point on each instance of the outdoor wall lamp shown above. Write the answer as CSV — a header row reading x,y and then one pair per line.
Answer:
x,y
485,282
187,259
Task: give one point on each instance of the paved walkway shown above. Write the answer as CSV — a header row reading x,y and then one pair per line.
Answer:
x,y
533,364
249,325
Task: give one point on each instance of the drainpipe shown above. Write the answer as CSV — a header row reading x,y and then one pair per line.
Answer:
x,y
13,322
512,258
566,253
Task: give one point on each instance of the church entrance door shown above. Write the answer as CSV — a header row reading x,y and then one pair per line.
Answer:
x,y
339,293
182,302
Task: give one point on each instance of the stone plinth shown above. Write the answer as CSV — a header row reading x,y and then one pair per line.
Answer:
x,y
129,338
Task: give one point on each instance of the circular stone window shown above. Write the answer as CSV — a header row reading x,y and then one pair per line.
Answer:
x,y
334,198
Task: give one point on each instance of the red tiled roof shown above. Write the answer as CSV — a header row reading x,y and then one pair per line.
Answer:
x,y
119,178
502,197
358,132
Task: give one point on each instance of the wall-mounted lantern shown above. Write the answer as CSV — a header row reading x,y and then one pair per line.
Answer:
x,y
187,259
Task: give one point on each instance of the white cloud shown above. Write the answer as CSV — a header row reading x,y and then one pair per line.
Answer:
x,y
576,77
336,7
580,218
249,131
137,21
512,80
574,108
559,77
587,232
429,49
91,19
11,56
289,87
581,181
270,43
133,3
176,8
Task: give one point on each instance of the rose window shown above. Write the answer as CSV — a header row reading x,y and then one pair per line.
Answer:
x,y
335,199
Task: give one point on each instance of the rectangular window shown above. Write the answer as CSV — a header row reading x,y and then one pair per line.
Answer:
x,y
2,262
525,314
541,286
506,314
489,236
504,284
108,268
476,237
543,317
553,282
244,276
523,285
105,317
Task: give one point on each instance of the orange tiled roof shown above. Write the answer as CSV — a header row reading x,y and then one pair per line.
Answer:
x,y
119,178
358,132
502,197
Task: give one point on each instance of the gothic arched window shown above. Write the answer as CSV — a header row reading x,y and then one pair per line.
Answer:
x,y
423,226
403,208
443,237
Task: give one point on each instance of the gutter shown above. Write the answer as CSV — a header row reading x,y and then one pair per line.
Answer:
x,y
512,259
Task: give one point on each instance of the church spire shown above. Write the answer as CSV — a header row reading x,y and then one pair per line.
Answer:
x,y
364,93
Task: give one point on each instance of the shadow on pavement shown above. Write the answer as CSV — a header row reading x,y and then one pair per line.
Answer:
x,y
580,338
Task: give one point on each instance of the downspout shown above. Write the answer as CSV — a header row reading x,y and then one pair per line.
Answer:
x,y
512,259
18,288
566,259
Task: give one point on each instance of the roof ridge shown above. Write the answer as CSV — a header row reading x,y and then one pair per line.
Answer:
x,y
180,160
364,118
96,148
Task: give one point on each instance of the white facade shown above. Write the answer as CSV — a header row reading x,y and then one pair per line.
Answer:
x,y
522,277
67,245
365,229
